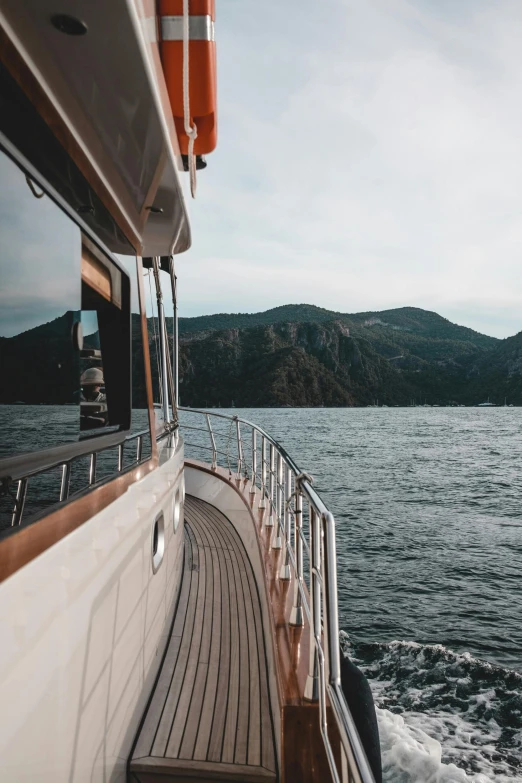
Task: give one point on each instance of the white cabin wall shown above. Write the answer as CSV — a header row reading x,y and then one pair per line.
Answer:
x,y
83,630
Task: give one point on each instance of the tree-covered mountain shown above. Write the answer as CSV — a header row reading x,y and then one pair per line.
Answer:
x,y
40,365
318,364
497,374
291,356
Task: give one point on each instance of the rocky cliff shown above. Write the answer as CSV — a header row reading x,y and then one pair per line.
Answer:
x,y
323,358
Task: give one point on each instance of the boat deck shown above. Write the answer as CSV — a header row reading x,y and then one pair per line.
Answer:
x,y
210,717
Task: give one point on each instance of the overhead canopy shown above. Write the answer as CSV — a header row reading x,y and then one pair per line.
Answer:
x,y
107,87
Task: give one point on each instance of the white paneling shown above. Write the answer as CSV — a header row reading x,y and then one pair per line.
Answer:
x,y
83,628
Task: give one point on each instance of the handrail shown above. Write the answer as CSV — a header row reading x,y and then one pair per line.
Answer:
x,y
274,474
66,467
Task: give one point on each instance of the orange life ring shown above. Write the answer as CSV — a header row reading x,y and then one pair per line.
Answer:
x,y
202,69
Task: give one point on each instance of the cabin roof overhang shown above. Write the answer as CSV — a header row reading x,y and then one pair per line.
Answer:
x,y
107,88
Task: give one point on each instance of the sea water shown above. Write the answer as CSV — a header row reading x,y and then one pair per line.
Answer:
x,y
428,505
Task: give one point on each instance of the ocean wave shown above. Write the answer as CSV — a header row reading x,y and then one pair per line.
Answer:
x,y
444,717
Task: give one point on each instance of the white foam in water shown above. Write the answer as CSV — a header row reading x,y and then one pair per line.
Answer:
x,y
433,740
409,755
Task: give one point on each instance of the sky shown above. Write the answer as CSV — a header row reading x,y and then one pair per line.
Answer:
x,y
369,157
35,237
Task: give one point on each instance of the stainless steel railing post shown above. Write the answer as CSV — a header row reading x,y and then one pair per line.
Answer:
x,y
263,472
284,571
312,681
139,448
271,472
21,494
92,469
277,542
330,598
213,442
253,474
120,458
239,452
66,480
296,615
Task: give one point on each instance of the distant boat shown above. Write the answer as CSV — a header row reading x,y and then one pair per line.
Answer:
x,y
487,404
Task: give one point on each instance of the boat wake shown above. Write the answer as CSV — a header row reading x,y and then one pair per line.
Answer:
x,y
443,717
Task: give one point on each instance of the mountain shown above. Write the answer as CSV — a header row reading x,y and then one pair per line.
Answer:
x,y
497,374
282,364
318,364
40,365
420,332
296,355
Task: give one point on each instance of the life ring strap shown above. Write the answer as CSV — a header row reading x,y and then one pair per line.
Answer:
x,y
201,28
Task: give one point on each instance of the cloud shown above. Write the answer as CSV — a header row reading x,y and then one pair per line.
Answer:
x,y
369,157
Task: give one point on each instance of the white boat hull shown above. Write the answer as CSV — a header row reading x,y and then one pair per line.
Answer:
x,y
83,629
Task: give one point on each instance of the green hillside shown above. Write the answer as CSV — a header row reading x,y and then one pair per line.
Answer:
x,y
291,356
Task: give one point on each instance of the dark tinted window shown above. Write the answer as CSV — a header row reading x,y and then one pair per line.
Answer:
x,y
151,306
105,355
140,413
23,126
40,303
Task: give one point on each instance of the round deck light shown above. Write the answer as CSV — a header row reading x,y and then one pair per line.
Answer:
x,y
69,25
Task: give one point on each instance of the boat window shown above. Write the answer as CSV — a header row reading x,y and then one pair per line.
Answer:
x,y
153,332
105,359
40,303
140,413
153,327
65,347
22,125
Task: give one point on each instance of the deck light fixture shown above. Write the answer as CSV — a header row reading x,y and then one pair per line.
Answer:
x,y
69,25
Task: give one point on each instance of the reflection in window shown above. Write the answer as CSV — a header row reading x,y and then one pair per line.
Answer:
x,y
105,358
65,338
153,325
140,413
153,332
40,257
93,399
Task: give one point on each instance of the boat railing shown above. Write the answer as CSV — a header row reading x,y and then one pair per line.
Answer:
x,y
304,532
127,454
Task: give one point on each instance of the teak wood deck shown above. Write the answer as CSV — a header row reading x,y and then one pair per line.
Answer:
x,y
210,717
